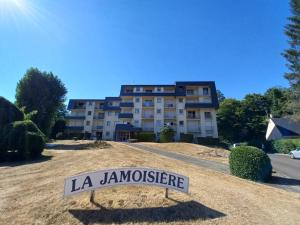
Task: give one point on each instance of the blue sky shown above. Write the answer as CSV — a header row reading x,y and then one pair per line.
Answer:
x,y
95,46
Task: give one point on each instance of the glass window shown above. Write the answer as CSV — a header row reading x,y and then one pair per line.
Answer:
x,y
180,111
207,115
88,123
136,111
158,123
205,91
108,123
116,113
89,113
136,122
138,89
180,99
90,103
158,111
158,100
181,122
108,113
137,99
190,91
107,134
158,89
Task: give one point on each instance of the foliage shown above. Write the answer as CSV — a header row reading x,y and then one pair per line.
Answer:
x,y
166,134
221,96
283,145
278,99
58,127
41,91
186,137
250,163
292,55
146,136
9,112
34,144
210,141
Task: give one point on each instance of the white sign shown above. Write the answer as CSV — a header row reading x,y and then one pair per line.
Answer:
x,y
125,176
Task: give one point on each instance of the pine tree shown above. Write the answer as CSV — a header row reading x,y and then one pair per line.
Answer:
x,y
292,55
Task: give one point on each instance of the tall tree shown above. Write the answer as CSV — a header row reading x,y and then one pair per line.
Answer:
x,y
221,96
278,99
41,91
292,55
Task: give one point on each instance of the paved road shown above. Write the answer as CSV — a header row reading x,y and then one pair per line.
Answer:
x,y
283,164
199,162
287,174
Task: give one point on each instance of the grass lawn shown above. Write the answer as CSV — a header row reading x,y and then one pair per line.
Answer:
x,y
194,150
32,193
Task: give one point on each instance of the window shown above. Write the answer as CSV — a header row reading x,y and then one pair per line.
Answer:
x,y
138,89
136,122
107,133
136,111
158,100
158,111
108,123
90,103
207,115
181,123
180,111
109,113
180,99
158,123
116,113
88,123
190,91
205,91
158,89
89,113
137,99
148,91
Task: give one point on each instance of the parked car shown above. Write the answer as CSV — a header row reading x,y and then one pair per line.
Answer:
x,y
295,154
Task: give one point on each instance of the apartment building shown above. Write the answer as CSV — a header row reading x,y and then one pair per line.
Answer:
x,y
187,107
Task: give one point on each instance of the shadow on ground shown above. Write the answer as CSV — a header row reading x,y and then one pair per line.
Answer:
x,y
182,211
284,181
20,163
78,146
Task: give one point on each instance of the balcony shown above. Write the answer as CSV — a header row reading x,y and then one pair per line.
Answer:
x,y
74,128
170,105
79,107
126,104
193,117
125,115
148,104
98,127
148,116
99,117
169,116
75,117
199,105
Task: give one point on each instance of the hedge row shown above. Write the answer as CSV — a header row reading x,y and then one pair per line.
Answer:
x,y
250,163
146,136
186,137
283,145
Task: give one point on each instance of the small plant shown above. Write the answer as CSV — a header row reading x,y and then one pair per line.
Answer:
x,y
167,134
250,163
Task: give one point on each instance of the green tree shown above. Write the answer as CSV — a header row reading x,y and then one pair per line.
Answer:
x,y
167,134
43,92
229,120
221,96
292,55
278,99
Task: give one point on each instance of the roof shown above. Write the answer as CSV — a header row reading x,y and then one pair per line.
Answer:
x,y
287,127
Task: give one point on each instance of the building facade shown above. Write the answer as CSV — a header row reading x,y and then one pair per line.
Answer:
x,y
187,107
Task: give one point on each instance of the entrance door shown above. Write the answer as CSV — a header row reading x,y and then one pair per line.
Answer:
x,y
123,136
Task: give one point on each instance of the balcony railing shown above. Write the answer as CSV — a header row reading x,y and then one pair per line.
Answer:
x,y
98,127
125,115
99,117
169,116
193,117
148,116
75,117
79,107
148,104
126,104
169,105
78,128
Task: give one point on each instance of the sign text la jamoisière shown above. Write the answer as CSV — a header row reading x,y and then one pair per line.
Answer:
x,y
125,176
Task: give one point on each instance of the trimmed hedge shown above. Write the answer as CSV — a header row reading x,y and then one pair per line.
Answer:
x,y
146,136
186,138
166,134
283,145
34,145
9,112
250,163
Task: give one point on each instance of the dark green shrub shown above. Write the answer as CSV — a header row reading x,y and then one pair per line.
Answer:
x,y
186,138
34,145
9,112
167,134
283,145
146,136
250,163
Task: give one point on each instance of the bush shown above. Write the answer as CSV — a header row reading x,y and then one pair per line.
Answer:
x,y
250,163
34,145
210,141
186,138
282,145
9,112
167,134
146,136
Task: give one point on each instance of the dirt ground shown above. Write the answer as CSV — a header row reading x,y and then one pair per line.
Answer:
x,y
32,193
198,151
